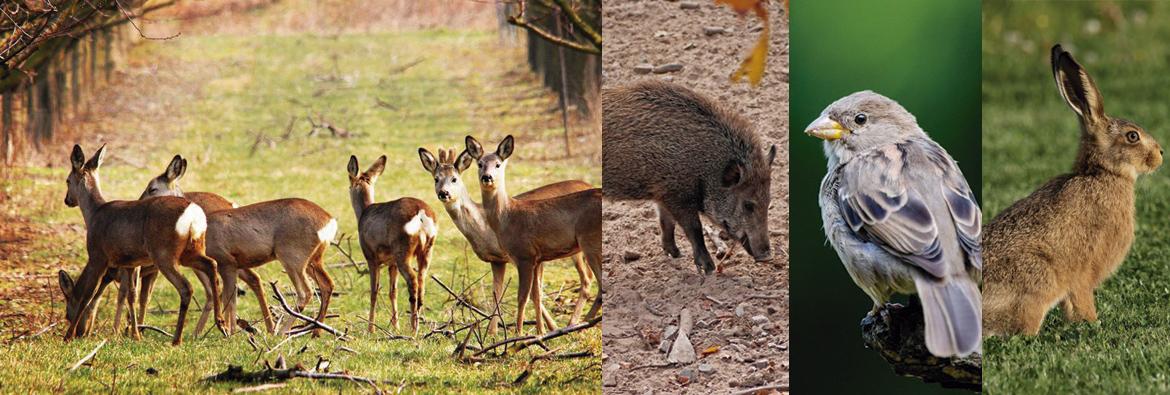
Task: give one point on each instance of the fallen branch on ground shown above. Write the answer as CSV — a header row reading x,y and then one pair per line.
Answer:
x,y
548,356
237,374
767,389
525,341
156,329
898,334
302,317
88,357
460,299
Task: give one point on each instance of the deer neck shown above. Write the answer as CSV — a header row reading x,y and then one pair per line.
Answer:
x,y
90,201
496,203
468,215
361,198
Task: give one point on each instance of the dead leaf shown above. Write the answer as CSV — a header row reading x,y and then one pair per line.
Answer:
x,y
753,66
710,350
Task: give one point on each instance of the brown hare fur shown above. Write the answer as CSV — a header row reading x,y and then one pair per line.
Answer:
x,y
1066,238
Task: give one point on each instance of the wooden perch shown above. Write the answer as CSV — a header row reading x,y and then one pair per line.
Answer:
x,y
898,334
308,320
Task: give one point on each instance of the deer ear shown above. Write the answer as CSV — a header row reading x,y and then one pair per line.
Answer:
x,y
353,166
376,169
463,161
506,147
66,283
98,157
175,170
77,158
772,155
428,161
732,174
473,147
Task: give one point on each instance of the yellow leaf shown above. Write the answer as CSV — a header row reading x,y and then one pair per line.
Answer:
x,y
710,350
753,66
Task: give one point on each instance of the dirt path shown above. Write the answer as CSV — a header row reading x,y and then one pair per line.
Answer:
x,y
646,290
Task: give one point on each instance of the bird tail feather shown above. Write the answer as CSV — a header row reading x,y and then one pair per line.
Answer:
x,y
953,313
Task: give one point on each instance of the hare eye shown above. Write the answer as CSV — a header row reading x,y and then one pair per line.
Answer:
x,y
1132,136
860,119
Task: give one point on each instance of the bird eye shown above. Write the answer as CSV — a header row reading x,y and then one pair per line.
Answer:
x,y
860,119
1132,136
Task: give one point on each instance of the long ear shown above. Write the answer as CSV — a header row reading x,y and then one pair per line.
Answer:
x,y
175,170
353,166
732,174
473,147
77,158
506,147
463,161
66,283
96,161
376,169
428,161
772,155
1076,87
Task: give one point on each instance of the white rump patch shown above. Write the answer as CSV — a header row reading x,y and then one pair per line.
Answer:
x,y
421,222
326,234
193,222
234,205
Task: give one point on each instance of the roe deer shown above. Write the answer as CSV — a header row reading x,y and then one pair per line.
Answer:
x,y
392,232
469,218
534,231
294,231
165,232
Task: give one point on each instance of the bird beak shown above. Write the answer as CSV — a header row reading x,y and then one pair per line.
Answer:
x,y
826,129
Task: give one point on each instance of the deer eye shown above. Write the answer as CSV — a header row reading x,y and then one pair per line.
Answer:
x,y
453,179
497,165
1132,136
436,179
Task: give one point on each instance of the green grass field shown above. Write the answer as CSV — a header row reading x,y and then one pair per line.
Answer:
x,y
1030,135
439,85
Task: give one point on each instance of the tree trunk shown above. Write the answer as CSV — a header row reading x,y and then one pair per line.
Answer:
x,y
6,125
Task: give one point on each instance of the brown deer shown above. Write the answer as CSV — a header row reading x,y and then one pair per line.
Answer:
x,y
392,232
295,232
469,218
165,232
533,231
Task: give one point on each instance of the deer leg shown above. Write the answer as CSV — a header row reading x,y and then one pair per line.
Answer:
x,y
392,290
583,273
131,291
666,223
147,288
252,278
123,285
498,272
169,269
228,274
373,268
591,249
526,268
207,301
411,277
295,263
689,220
423,256
211,286
546,321
324,283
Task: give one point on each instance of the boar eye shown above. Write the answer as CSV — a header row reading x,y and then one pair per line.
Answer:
x,y
749,206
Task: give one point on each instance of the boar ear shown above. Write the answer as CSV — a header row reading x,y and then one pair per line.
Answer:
x,y
732,174
66,283
473,147
428,160
463,161
353,166
506,147
77,158
772,155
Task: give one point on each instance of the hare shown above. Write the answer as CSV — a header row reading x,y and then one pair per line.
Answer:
x,y
1066,238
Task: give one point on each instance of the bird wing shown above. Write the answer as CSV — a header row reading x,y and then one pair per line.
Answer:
x,y
879,204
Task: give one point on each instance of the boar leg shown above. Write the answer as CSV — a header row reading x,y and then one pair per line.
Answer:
x,y
693,228
667,224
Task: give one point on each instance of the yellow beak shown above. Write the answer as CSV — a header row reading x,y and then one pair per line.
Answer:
x,y
826,129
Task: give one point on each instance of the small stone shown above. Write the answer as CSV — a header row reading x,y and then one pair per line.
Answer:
x,y
644,68
739,310
668,68
152,371
664,346
758,330
759,319
771,310
712,30
661,34
761,364
689,46
685,322
683,351
669,332
706,368
689,5
631,256
609,380
686,376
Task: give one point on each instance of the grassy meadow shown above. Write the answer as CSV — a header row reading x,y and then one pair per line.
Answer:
x,y
394,92
1030,136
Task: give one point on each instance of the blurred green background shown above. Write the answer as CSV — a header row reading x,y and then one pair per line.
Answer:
x,y
925,55
1030,135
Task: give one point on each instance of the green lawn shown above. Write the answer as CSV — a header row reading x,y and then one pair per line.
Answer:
x,y
1030,135
439,86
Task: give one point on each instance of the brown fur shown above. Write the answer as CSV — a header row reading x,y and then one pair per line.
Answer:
x,y
384,240
692,156
125,235
1066,238
534,231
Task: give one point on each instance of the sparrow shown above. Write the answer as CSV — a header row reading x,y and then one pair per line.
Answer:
x,y
901,217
